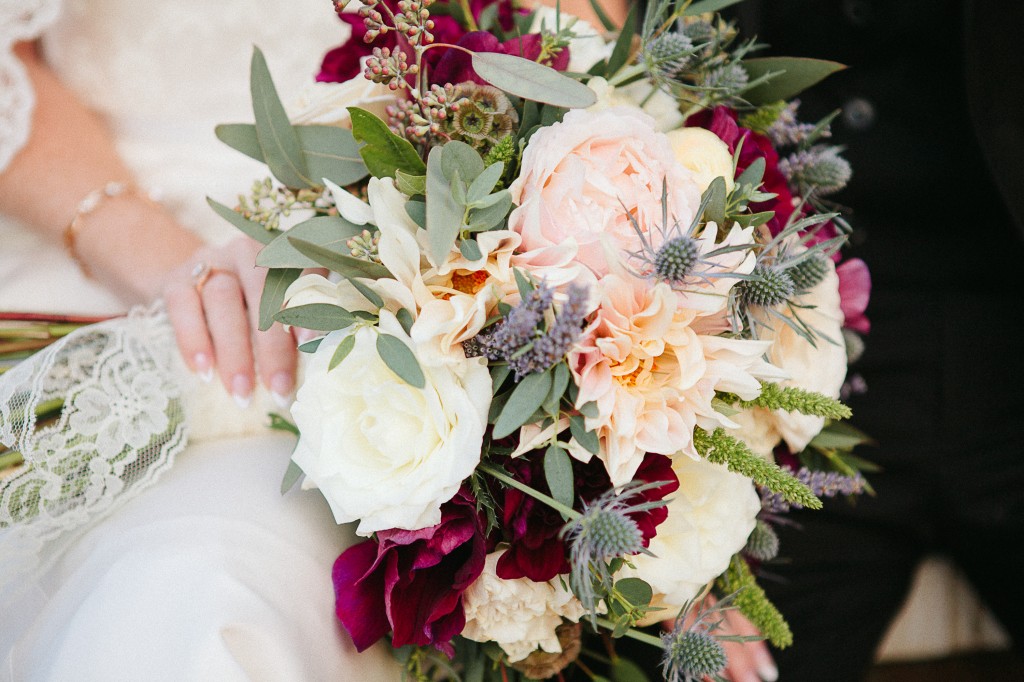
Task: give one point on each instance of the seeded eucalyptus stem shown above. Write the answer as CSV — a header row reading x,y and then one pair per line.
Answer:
x,y
497,473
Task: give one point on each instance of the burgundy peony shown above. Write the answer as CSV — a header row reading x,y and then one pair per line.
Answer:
x,y
342,63
722,122
535,550
410,583
456,66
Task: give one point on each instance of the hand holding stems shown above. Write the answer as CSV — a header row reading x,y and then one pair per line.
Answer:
x,y
136,248
747,661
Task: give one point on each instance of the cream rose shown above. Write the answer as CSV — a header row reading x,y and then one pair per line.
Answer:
x,y
661,106
709,520
582,178
381,451
520,615
327,103
704,154
819,367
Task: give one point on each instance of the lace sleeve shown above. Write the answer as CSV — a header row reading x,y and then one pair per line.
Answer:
x,y
19,20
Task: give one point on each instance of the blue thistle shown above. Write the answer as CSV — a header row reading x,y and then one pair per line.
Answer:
x,y
770,286
603,532
820,168
667,55
808,272
763,543
728,78
691,656
676,258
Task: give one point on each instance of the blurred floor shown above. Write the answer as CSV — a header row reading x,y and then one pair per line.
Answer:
x,y
1002,666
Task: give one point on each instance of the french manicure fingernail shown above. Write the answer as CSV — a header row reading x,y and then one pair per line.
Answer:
x,y
204,368
281,389
768,671
241,390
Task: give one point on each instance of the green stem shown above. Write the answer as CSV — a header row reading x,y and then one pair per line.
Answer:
x,y
625,74
497,473
470,21
633,634
10,458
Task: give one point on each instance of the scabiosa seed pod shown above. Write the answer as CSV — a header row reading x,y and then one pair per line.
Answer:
x,y
676,258
771,286
668,54
763,543
692,655
821,168
809,272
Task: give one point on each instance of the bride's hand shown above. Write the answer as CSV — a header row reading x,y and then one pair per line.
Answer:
x,y
213,303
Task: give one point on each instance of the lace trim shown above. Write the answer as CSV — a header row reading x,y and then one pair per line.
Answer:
x,y
19,20
121,424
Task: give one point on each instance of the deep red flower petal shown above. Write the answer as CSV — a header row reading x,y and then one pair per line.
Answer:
x,y
359,594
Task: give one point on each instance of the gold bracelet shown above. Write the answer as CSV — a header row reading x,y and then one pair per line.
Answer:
x,y
86,206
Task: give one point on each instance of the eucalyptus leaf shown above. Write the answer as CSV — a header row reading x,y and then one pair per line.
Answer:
x,y
240,137
484,183
715,194
588,439
311,346
417,211
458,188
277,138
531,80
498,375
459,156
329,232
500,197
321,317
342,351
589,409
488,218
526,398
274,288
790,76
255,230
753,175
559,382
558,474
369,294
331,152
523,283
384,152
291,476
470,249
635,591
444,216
405,319
338,262
400,359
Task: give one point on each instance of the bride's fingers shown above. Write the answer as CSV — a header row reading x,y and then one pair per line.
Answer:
x,y
228,324
747,660
274,348
185,310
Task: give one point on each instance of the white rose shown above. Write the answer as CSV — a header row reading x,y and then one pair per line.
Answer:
x,y
520,615
587,48
327,103
380,450
642,94
709,520
704,153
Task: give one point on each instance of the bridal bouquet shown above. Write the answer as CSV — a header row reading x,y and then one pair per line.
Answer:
x,y
582,321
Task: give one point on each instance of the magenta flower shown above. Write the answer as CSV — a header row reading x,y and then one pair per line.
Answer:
x,y
456,66
410,583
535,550
854,293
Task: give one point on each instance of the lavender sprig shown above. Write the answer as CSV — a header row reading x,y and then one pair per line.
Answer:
x,y
821,483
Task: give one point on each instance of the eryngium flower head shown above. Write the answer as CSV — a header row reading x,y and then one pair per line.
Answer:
x,y
770,286
728,78
675,259
667,55
820,168
809,272
691,655
763,543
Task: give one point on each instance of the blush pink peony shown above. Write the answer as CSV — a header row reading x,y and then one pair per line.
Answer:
x,y
581,179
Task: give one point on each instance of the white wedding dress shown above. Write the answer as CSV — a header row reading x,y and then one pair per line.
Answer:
x,y
205,572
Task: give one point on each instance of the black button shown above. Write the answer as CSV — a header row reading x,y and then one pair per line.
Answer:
x,y
857,12
858,114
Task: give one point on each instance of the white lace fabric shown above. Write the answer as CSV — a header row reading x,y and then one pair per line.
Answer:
x,y
20,20
122,421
